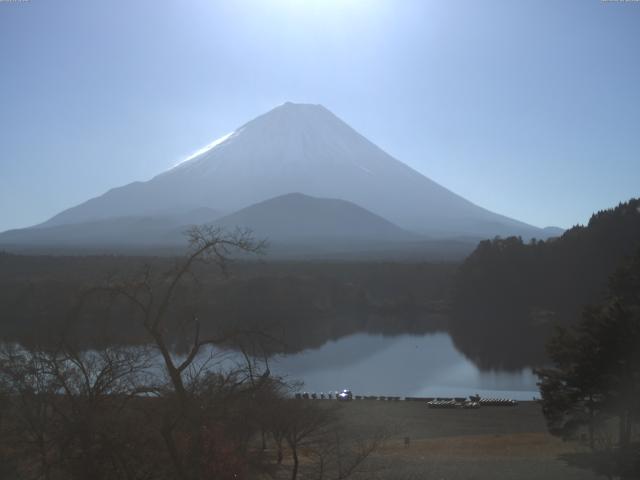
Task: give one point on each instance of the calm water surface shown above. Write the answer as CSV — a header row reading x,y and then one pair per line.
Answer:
x,y
374,364
405,365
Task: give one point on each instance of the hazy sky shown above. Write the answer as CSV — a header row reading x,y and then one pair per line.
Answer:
x,y
530,109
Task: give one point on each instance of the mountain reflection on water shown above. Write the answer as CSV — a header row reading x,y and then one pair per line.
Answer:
x,y
405,365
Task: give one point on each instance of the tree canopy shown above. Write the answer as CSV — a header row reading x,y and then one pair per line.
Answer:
x,y
594,383
510,294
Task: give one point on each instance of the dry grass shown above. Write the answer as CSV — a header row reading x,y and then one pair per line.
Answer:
x,y
490,443
535,445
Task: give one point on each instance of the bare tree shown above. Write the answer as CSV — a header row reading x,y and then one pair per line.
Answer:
x,y
152,297
341,458
105,414
315,428
303,424
66,411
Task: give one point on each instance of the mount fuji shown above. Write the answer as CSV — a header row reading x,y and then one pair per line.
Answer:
x,y
294,148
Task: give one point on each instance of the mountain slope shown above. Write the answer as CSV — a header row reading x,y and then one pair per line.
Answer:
x,y
300,148
300,218
295,225
100,232
113,231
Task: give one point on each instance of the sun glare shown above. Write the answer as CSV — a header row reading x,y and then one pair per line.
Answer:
x,y
206,148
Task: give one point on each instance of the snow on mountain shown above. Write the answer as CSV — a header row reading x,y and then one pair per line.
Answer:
x,y
299,148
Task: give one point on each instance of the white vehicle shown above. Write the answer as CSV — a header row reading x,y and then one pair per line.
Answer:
x,y
345,395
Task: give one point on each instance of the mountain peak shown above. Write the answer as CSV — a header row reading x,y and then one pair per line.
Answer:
x,y
300,106
300,147
289,135
290,114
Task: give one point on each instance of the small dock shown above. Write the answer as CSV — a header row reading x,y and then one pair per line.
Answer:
x,y
470,402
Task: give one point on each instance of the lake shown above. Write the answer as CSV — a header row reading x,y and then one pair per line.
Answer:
x,y
426,365
403,365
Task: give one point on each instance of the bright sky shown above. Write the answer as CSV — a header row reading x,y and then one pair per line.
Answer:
x,y
528,108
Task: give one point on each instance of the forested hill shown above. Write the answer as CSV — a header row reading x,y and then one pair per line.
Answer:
x,y
509,294
300,304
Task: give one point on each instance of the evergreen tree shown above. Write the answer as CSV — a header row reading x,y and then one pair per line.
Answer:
x,y
595,380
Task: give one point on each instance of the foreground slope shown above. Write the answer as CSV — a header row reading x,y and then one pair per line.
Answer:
x,y
298,217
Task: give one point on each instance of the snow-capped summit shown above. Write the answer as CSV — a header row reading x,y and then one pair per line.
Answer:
x,y
299,148
289,136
